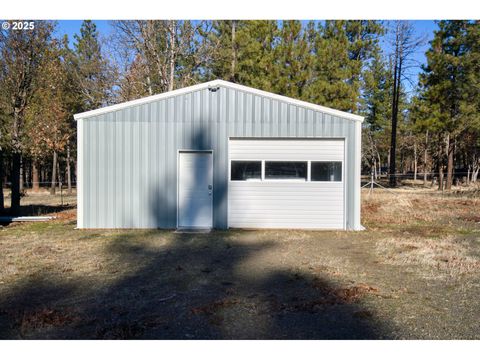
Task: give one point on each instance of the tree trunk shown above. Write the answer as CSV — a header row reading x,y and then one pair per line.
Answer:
x,y
393,138
450,163
395,102
35,180
425,158
15,204
440,167
172,55
69,174
149,86
440,178
388,160
22,173
233,65
2,200
54,173
415,162
59,176
379,164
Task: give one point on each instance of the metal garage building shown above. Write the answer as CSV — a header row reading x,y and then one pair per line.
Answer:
x,y
218,155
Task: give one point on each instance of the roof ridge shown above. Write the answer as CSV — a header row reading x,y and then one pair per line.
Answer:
x,y
218,82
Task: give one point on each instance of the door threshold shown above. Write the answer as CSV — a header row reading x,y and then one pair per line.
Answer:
x,y
193,230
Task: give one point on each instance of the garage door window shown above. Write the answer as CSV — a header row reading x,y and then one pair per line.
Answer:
x,y
326,171
246,170
286,170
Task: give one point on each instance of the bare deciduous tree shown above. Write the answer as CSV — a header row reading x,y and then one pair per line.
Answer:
x,y
404,42
21,55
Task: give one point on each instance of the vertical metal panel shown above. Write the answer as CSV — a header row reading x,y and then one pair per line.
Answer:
x,y
80,174
118,178
111,184
130,156
160,207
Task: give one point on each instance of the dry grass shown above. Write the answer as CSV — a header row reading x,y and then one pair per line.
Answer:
x,y
439,257
42,203
425,230
119,284
382,208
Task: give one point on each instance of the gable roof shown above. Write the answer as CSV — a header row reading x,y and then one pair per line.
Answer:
x,y
214,84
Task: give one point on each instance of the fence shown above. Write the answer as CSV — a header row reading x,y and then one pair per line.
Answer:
x,y
420,175
373,179
60,188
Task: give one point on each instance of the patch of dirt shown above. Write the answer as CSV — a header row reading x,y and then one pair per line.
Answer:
x,y
67,215
37,319
343,295
212,308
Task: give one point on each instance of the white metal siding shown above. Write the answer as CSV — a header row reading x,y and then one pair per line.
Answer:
x,y
286,203
128,163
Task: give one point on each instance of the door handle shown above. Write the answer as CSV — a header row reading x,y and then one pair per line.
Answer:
x,y
210,187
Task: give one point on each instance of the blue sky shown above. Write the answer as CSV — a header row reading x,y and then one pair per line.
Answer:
x,y
422,27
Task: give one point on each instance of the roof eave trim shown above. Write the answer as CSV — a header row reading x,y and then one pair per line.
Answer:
x,y
215,83
292,101
143,100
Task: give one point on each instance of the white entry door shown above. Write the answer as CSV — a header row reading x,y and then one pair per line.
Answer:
x,y
195,190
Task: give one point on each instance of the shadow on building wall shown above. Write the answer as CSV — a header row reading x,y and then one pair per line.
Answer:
x,y
163,200
160,284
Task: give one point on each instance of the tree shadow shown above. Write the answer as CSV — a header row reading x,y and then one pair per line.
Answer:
x,y
168,285
42,209
193,287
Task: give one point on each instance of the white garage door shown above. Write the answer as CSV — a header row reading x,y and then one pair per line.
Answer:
x,y
286,183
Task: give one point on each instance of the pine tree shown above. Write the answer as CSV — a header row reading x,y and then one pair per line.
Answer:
x,y
243,52
447,86
224,43
292,61
376,100
256,55
470,144
93,75
363,37
331,68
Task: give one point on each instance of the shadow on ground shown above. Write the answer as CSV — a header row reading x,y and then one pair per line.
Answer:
x,y
37,210
166,285
194,287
